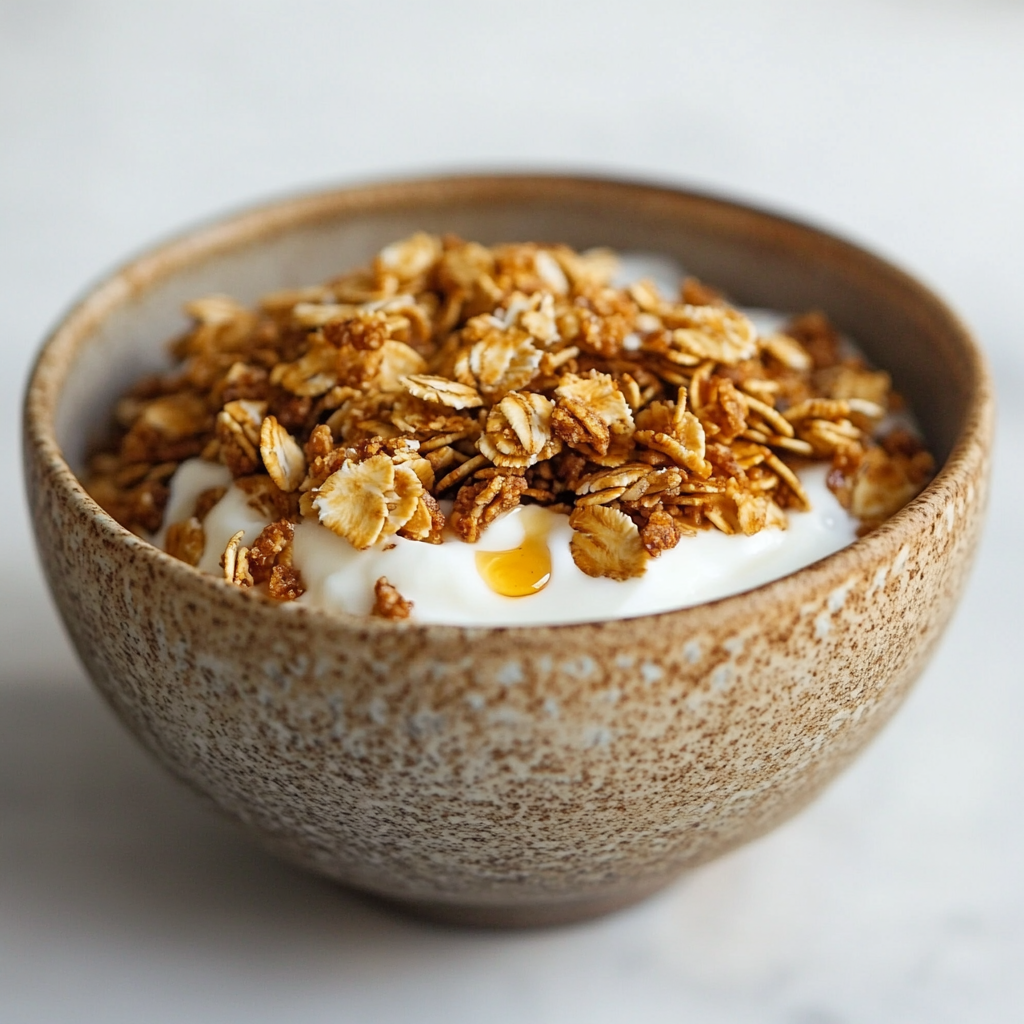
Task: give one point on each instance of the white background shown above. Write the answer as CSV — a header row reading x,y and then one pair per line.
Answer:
x,y
900,895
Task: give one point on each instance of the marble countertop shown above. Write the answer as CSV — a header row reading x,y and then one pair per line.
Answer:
x,y
899,895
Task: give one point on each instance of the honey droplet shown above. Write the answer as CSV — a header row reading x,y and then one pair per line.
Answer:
x,y
520,571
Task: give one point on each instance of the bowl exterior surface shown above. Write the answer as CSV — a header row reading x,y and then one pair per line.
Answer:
x,y
502,776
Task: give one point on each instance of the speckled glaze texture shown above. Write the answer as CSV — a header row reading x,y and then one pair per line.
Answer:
x,y
522,775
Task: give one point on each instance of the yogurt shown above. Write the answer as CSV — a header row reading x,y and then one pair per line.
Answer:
x,y
445,585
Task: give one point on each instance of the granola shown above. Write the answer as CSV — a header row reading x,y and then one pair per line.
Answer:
x,y
447,383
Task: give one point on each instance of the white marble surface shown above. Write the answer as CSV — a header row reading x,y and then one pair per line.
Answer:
x,y
899,897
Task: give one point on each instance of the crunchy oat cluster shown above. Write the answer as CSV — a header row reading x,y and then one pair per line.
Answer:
x,y
489,377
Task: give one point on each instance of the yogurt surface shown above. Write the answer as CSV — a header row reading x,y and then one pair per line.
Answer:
x,y
445,586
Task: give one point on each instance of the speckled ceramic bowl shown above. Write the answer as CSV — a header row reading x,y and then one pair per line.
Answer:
x,y
515,775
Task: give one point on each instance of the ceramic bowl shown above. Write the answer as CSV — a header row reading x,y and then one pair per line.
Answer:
x,y
525,775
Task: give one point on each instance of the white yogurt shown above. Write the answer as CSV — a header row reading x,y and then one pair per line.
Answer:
x,y
442,580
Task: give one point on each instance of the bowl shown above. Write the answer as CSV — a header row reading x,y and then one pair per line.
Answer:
x,y
521,775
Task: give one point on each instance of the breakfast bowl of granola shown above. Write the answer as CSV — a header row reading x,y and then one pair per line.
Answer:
x,y
505,546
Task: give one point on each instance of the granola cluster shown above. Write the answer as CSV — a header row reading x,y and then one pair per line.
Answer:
x,y
450,372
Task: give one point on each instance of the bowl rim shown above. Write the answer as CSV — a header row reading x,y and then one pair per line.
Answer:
x,y
256,222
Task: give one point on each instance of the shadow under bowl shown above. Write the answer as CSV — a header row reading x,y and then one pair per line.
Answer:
x,y
520,775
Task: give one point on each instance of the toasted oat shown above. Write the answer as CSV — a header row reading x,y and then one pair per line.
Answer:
x,y
238,430
606,542
443,391
852,381
712,332
587,270
669,428
518,431
884,483
266,498
364,501
282,455
174,416
501,359
592,413
235,562
788,351
410,257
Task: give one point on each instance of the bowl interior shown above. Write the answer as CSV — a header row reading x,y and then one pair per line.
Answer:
x,y
758,259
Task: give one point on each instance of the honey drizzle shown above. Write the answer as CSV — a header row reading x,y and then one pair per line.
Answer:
x,y
519,571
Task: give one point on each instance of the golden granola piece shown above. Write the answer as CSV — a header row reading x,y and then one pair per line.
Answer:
x,y
659,533
426,522
599,321
186,540
720,333
618,477
826,437
460,473
442,391
235,562
591,413
669,428
478,505
501,359
549,271
462,265
282,455
365,501
788,351
266,498
852,381
791,480
174,416
723,410
272,547
884,483
393,362
409,258
222,324
519,431
695,292
816,334
246,416
362,330
594,268
606,542
755,512
534,313
238,430
827,409
322,314
388,602
314,373
285,583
